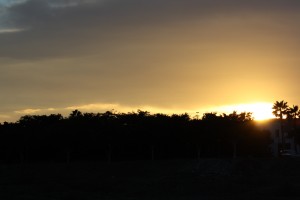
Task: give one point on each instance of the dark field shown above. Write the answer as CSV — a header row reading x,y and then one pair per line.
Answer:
x,y
174,179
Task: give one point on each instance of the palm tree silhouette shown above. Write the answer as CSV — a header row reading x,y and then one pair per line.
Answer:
x,y
293,115
293,112
280,109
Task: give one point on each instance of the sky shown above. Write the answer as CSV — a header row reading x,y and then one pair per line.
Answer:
x,y
168,56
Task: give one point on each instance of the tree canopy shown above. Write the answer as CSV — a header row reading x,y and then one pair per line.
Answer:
x,y
134,135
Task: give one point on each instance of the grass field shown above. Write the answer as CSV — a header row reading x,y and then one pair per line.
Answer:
x,y
172,179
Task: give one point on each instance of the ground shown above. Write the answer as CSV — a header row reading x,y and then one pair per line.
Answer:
x,y
248,178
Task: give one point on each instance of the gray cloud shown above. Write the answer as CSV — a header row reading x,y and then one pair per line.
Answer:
x,y
74,30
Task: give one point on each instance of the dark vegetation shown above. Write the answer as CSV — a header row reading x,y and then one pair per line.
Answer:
x,y
140,155
130,136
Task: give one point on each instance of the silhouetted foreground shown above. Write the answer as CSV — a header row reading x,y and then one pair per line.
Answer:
x,y
132,136
147,180
142,156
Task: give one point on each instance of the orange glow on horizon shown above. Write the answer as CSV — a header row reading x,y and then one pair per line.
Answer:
x,y
260,110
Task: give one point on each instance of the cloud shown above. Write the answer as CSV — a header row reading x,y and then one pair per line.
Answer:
x,y
34,111
9,3
93,107
28,111
98,107
10,30
4,117
64,4
76,28
116,107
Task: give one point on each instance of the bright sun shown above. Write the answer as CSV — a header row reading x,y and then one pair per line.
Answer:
x,y
260,111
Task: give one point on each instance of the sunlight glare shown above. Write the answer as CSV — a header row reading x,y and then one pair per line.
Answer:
x,y
260,111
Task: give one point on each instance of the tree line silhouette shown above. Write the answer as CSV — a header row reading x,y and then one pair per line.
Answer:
x,y
111,136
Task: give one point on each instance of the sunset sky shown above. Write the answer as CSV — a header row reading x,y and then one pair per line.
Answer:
x,y
169,56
